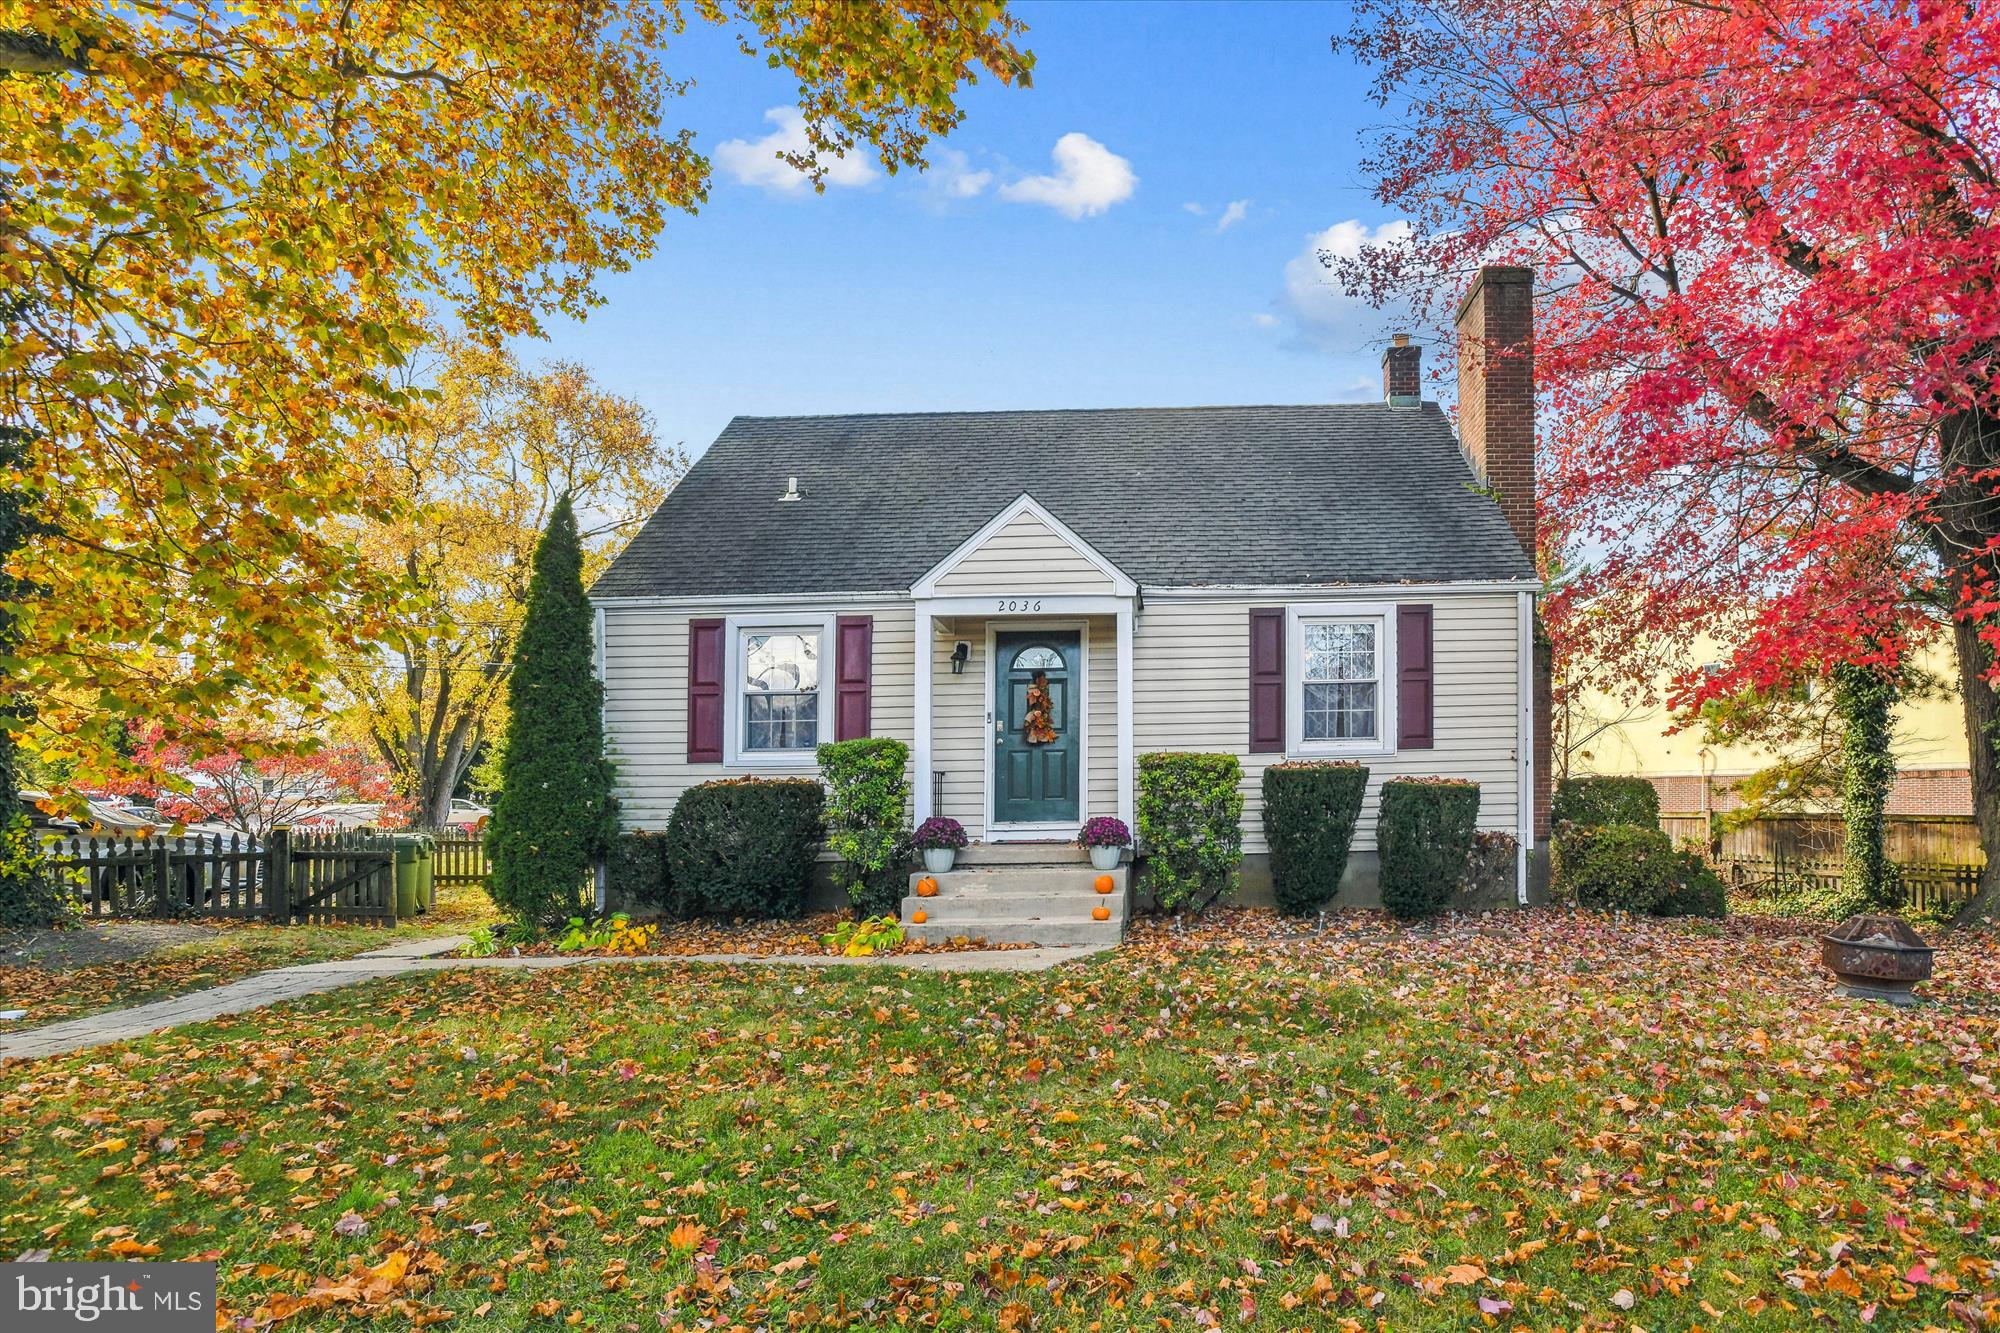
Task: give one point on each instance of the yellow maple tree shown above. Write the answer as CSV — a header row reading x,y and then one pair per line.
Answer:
x,y
476,471
224,230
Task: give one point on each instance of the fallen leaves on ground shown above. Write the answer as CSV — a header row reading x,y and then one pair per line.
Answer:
x,y
1536,1120
753,938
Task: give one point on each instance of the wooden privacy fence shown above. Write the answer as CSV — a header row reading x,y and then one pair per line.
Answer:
x,y
1938,856
346,875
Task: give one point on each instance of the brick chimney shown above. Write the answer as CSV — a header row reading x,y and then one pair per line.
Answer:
x,y
1402,373
1496,390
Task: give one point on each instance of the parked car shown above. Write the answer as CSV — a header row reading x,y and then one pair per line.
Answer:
x,y
468,815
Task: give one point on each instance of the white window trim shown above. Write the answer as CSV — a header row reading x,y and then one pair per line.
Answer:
x,y
736,627
1383,615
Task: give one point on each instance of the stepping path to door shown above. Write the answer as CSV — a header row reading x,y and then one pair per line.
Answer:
x,y
289,983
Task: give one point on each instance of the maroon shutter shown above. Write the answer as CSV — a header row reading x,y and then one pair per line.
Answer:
x,y
705,691
1267,680
1414,689
853,654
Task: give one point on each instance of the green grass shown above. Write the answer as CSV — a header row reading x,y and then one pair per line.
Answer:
x,y
1379,1126
236,950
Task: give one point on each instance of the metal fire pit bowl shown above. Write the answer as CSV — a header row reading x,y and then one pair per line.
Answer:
x,y
1876,958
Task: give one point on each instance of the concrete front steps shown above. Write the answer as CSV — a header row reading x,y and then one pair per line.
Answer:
x,y
1020,893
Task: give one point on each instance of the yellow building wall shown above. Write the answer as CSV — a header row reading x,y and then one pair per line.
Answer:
x,y
1930,733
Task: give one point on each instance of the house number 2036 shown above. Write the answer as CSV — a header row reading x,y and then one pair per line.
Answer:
x,y
1020,604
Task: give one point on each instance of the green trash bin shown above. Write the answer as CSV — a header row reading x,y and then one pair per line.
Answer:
x,y
408,847
426,873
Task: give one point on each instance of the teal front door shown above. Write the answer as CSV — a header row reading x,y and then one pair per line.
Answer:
x,y
1036,751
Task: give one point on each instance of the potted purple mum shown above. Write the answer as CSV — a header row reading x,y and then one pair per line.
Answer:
x,y
939,839
1106,838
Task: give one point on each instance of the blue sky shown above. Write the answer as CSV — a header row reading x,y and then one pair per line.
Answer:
x,y
1000,278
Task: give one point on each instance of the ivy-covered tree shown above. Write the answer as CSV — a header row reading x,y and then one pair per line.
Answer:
x,y
25,899
554,821
1864,697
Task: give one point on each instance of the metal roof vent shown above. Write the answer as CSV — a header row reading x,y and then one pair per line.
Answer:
x,y
791,490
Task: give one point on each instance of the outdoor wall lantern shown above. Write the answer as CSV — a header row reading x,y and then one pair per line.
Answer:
x,y
960,653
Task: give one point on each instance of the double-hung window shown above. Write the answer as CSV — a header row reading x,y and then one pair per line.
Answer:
x,y
1341,664
776,712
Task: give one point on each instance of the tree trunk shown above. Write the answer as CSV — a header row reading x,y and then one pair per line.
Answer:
x,y
1982,733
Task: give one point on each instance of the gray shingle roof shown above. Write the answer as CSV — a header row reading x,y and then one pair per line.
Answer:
x,y
1350,493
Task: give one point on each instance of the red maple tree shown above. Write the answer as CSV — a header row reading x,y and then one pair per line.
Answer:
x,y
1765,235
255,783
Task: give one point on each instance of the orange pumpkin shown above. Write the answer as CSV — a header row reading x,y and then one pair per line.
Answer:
x,y
926,887
1105,883
919,916
1100,913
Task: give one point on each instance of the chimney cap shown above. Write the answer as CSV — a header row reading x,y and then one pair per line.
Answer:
x,y
1400,339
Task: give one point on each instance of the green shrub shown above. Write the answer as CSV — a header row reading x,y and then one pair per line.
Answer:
x,y
1424,835
33,895
1309,815
1697,890
554,820
636,873
1614,868
744,846
1190,827
1595,802
867,793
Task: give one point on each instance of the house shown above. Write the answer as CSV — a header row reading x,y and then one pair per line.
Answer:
x,y
1325,581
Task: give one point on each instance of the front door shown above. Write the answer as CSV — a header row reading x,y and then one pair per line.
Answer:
x,y
1036,755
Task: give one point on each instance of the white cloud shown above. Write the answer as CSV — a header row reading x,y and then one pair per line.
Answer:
x,y
756,161
951,174
1263,319
1238,210
1325,314
1089,178
1194,208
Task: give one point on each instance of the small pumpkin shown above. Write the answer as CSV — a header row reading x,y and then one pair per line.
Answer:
x,y
919,916
1100,913
1105,883
926,887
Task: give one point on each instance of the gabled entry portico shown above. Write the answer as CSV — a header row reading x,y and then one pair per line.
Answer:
x,y
1024,595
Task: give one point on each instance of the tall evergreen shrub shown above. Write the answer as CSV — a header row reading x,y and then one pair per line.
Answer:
x,y
554,820
1309,814
1424,835
30,894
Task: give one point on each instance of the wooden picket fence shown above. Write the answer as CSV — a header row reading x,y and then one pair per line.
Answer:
x,y
458,858
294,875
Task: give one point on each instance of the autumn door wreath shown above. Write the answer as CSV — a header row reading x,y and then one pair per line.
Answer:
x,y
1040,726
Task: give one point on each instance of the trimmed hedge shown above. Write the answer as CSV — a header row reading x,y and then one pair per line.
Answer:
x,y
1190,827
636,874
1596,802
1424,836
1625,868
744,846
1309,814
867,796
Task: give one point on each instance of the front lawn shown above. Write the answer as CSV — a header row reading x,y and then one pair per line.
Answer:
x,y
236,949
1548,1121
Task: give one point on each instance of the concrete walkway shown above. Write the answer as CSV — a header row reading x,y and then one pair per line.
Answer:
x,y
289,983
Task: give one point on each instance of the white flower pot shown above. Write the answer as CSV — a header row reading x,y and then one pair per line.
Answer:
x,y
1106,858
937,860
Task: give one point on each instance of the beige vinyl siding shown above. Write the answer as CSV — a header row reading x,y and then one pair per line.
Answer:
x,y
645,700
959,726
1025,553
1191,691
960,706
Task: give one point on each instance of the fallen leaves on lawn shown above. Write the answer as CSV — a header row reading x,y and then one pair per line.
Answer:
x,y
1535,1120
